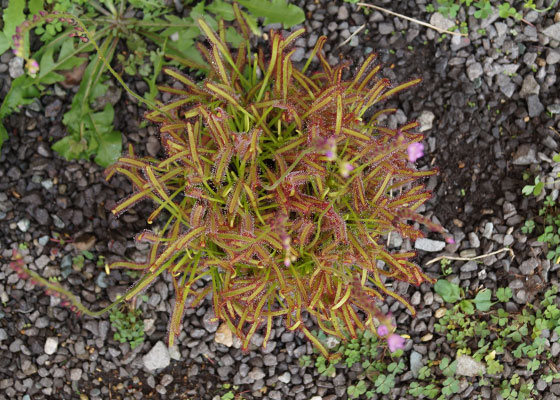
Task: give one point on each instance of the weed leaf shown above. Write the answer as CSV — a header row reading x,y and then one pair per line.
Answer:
x,y
275,11
482,300
448,291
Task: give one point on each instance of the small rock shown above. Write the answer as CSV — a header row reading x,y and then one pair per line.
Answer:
x,y
474,241
555,389
429,245
84,242
553,57
427,337
174,353
415,363
331,342
525,155
42,261
534,106
158,357
256,374
23,224
386,28
527,267
428,298
285,377
224,335
520,297
469,266
51,344
474,71
298,55
508,89
153,146
553,31
342,13
209,321
440,312
75,374
426,120
101,280
53,108
15,67
555,349
416,298
467,366
439,21
553,109
530,86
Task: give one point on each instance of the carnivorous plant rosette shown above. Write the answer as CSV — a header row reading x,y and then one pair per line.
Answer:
x,y
277,192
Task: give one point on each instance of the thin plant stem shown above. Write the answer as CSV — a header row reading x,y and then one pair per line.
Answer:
x,y
511,253
412,19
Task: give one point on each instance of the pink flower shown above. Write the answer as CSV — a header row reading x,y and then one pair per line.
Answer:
x,y
345,169
395,342
330,149
331,155
382,330
32,67
415,151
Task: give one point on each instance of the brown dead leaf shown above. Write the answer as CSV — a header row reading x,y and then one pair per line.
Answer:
x,y
73,77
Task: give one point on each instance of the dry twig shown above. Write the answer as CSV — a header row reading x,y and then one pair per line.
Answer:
x,y
412,19
511,253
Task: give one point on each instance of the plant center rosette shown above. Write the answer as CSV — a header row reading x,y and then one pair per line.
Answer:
x,y
277,193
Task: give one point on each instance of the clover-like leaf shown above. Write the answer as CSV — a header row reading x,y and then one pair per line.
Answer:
x,y
504,294
482,300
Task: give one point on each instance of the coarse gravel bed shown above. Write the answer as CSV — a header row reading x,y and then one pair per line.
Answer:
x,y
486,105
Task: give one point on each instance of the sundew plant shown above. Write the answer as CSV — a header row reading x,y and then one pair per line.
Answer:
x,y
277,192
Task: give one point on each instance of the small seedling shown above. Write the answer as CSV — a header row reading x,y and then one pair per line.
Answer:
x,y
128,325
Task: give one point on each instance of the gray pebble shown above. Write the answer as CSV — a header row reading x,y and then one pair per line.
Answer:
x,y
530,86
285,377
553,57
524,155
429,298
342,13
386,28
469,266
553,31
555,349
75,374
527,267
256,374
474,71
157,357
298,55
429,245
415,363
534,105
473,240
15,67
